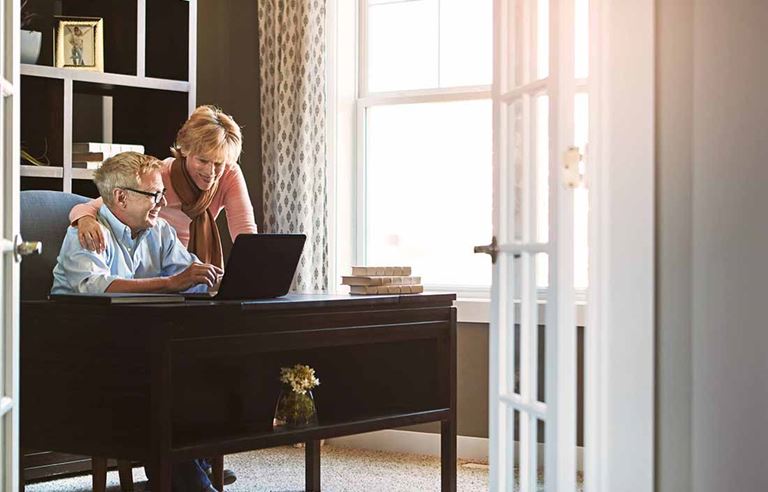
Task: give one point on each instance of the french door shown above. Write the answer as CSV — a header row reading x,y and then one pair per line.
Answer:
x,y
537,172
9,267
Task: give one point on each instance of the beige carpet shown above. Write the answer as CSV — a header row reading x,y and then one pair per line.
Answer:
x,y
282,470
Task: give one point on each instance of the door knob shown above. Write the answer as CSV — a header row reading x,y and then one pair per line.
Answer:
x,y
24,248
489,249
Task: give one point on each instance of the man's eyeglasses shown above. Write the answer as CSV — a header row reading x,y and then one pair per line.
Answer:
x,y
157,196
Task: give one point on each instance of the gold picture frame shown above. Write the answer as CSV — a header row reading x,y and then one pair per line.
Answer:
x,y
80,43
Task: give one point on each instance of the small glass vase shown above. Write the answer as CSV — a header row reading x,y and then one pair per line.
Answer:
x,y
294,410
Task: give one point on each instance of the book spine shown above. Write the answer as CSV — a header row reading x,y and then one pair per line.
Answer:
x,y
106,149
380,280
380,271
386,289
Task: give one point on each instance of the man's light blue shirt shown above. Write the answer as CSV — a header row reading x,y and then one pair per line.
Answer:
x,y
155,252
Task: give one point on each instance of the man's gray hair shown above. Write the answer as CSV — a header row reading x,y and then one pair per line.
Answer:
x,y
123,171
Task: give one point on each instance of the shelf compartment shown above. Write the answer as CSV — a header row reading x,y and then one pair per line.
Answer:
x,y
104,79
120,32
167,43
42,118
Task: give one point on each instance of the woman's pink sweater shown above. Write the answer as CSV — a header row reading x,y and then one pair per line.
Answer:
x,y
232,196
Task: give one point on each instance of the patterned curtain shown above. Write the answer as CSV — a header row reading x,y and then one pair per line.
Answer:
x,y
292,58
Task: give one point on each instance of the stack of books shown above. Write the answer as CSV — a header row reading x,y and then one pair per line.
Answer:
x,y
369,280
90,155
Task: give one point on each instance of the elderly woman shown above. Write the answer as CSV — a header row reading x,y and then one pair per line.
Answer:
x,y
201,179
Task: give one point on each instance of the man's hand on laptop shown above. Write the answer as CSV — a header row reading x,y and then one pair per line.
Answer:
x,y
196,273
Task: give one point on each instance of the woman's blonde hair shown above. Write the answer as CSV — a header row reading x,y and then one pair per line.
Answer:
x,y
209,133
123,170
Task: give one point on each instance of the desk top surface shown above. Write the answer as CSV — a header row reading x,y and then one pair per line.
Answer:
x,y
290,301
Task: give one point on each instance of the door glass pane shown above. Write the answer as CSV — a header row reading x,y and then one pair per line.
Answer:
x,y
541,347
516,340
466,39
518,48
581,196
542,39
403,45
428,182
541,428
542,184
581,41
516,149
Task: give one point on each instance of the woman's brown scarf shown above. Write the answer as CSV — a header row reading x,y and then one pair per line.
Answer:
x,y
204,239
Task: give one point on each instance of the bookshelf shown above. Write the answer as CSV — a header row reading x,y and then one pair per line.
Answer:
x,y
145,93
143,96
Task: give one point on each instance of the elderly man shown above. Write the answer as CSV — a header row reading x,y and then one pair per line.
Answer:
x,y
142,254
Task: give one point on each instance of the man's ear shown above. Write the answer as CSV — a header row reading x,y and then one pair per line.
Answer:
x,y
120,197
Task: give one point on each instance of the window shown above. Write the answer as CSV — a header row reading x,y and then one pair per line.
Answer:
x,y
425,127
414,142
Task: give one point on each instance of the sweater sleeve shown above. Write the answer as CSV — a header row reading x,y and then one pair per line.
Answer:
x,y
237,204
89,208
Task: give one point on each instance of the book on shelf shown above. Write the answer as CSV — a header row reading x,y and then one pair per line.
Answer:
x,y
386,289
106,150
381,270
87,156
380,280
118,298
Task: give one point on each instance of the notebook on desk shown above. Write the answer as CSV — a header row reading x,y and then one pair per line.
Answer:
x,y
260,266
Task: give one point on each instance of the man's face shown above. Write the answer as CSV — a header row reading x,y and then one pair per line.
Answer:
x,y
140,211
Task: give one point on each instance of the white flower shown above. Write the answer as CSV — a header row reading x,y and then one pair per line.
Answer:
x,y
301,378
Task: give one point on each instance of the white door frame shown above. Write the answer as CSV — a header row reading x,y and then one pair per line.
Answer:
x,y
620,354
9,212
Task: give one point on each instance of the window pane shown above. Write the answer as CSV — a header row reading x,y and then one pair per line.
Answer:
x,y
428,184
466,42
403,45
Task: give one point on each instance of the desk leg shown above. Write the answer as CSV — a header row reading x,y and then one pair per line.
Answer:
x,y
217,465
99,474
161,475
448,455
312,466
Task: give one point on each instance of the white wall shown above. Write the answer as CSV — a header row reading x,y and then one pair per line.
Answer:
x,y
730,241
724,164
674,128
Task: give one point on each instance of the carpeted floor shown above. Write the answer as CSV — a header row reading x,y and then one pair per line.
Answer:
x,y
282,470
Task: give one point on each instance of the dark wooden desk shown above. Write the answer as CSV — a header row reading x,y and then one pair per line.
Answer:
x,y
164,383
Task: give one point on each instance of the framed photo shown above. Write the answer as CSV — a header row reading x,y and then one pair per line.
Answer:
x,y
80,43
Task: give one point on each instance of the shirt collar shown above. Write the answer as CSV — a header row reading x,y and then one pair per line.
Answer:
x,y
120,230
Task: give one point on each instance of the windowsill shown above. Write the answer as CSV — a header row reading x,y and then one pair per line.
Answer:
x,y
472,310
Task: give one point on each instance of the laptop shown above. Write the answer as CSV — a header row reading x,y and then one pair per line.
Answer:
x,y
260,266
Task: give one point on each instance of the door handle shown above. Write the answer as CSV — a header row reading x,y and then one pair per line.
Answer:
x,y
489,249
24,248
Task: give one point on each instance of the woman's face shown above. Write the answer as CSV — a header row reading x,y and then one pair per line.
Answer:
x,y
205,172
